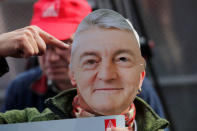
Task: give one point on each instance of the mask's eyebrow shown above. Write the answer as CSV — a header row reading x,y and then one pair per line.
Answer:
x,y
88,53
124,51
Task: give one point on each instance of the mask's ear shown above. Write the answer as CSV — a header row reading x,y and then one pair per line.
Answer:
x,y
72,78
142,76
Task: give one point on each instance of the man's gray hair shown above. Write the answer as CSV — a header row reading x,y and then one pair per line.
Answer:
x,y
104,18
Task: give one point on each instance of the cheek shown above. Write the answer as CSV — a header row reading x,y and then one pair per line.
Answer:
x,y
85,79
131,81
130,76
134,81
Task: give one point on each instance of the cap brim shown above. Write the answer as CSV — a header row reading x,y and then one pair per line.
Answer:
x,y
61,30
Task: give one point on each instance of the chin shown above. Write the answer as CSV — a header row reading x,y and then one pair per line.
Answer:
x,y
57,77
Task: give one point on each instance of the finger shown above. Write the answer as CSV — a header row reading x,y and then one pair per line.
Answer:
x,y
40,42
49,39
32,41
25,48
26,33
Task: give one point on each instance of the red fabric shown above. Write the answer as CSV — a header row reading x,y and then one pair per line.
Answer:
x,y
40,86
130,116
79,112
60,18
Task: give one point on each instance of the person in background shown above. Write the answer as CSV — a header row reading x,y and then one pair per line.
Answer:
x,y
31,88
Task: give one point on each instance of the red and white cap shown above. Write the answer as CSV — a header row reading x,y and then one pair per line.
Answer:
x,y
60,18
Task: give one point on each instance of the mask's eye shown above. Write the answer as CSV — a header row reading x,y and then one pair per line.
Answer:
x,y
90,63
124,61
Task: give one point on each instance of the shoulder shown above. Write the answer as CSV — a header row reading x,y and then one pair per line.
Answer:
x,y
25,79
46,115
143,107
146,118
30,75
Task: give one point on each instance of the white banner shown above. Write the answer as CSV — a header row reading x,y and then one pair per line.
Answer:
x,y
75,124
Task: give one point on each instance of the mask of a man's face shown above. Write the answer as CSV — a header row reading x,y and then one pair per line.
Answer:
x,y
108,69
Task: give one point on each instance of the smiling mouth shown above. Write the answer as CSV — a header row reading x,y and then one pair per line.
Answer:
x,y
108,89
